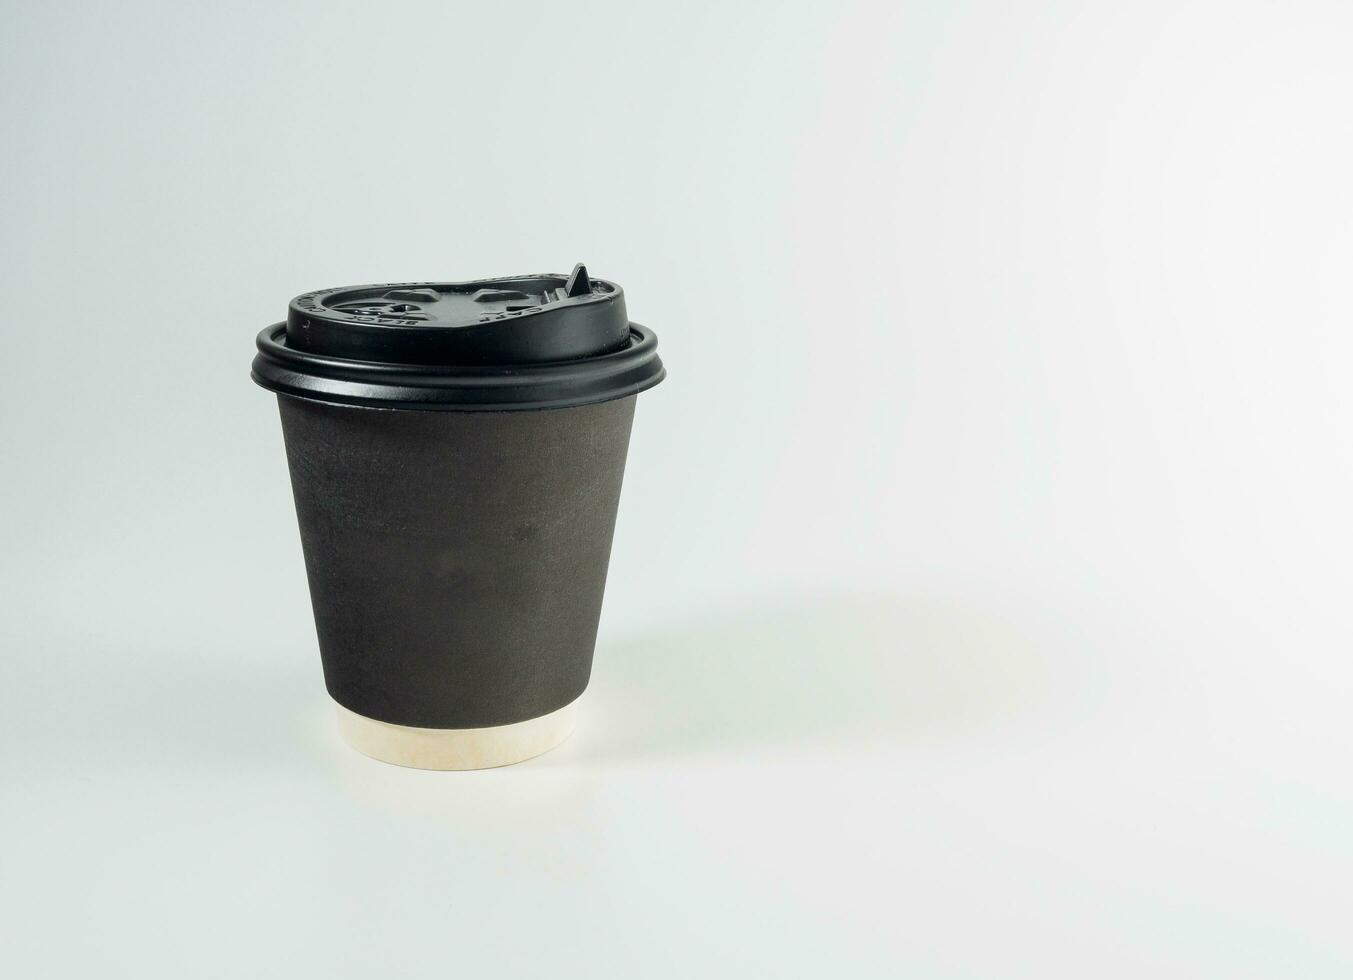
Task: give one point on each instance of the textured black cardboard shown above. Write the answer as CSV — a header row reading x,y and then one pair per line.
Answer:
x,y
457,560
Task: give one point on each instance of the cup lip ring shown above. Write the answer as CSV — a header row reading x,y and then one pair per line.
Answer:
x,y
460,388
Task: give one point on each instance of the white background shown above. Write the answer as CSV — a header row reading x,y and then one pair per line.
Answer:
x,y
980,597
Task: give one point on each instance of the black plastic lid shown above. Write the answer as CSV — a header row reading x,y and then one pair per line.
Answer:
x,y
524,342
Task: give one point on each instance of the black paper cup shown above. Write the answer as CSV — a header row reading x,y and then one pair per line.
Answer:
x,y
456,511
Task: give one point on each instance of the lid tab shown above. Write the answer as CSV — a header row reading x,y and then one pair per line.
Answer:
x,y
578,284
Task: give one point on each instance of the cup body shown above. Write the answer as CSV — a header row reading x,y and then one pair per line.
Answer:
x,y
456,560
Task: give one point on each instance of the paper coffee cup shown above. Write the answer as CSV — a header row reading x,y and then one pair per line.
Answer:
x,y
456,454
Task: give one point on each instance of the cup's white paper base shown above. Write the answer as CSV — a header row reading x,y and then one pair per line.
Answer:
x,y
455,748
